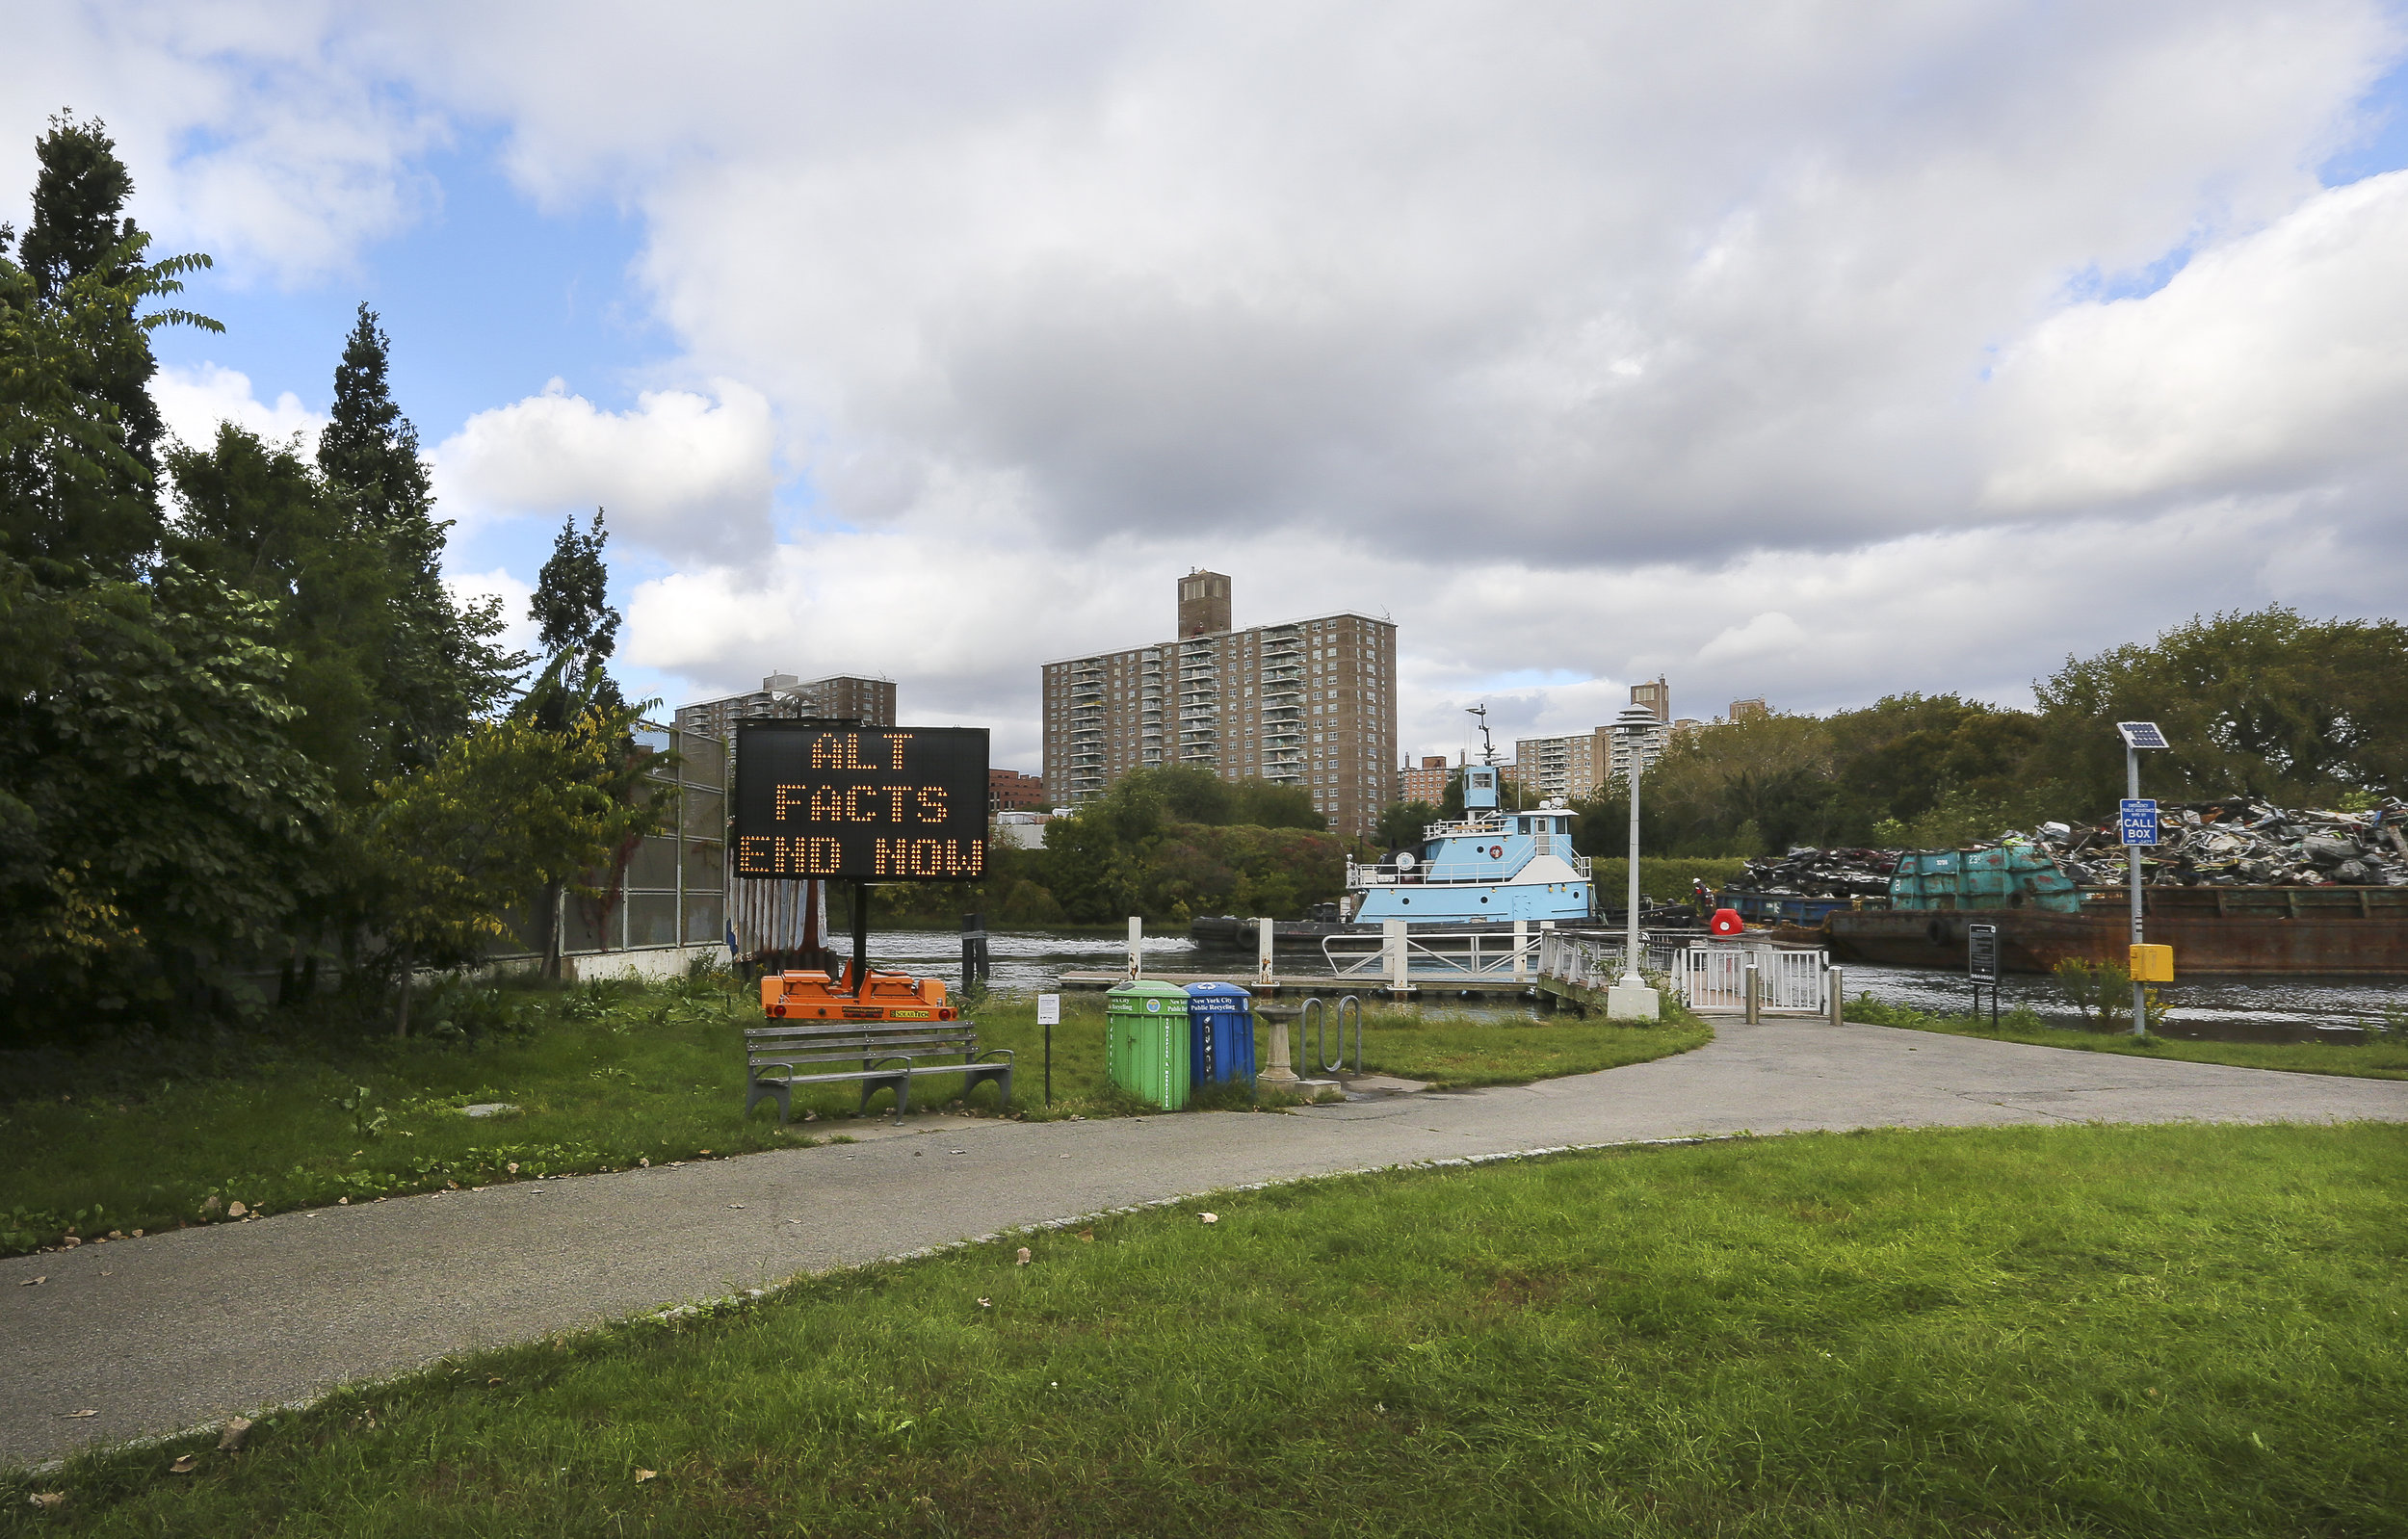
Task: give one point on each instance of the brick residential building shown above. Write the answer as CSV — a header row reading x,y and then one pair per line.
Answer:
x,y
841,696
1309,703
1011,791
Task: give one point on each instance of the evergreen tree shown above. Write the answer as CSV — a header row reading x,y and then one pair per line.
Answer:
x,y
78,499
577,630
77,231
438,670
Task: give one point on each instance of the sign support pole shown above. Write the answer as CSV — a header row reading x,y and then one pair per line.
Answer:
x,y
861,940
2140,991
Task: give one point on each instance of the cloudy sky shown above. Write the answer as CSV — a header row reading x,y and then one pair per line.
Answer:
x,y
1816,351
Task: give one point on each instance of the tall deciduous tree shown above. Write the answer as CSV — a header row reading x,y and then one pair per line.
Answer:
x,y
505,817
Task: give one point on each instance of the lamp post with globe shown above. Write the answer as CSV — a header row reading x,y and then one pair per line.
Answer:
x,y
1632,996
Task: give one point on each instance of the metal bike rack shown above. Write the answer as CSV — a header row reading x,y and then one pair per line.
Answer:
x,y
1318,1015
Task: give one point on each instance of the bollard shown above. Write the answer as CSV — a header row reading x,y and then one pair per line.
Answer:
x,y
1392,948
1264,936
1752,1008
1839,996
1137,946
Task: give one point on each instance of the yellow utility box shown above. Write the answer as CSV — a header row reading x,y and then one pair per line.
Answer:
x,y
2152,964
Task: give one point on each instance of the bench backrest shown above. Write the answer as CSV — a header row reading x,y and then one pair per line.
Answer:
x,y
853,1039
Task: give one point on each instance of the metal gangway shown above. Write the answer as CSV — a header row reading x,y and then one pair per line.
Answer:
x,y
1439,957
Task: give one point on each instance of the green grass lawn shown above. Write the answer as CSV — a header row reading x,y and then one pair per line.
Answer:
x,y
1455,1050
2380,1057
2170,1331
604,1077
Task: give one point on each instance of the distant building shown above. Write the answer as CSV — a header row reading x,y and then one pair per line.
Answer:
x,y
1309,703
1024,828
1011,791
1750,710
1577,765
842,696
1425,781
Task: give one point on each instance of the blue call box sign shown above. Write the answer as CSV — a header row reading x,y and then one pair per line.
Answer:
x,y
2138,817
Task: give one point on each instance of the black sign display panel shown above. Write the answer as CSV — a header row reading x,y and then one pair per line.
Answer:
x,y
869,803
1981,951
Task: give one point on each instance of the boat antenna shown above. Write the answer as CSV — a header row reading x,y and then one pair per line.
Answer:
x,y
1488,743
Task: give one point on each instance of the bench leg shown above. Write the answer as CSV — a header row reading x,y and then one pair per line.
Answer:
x,y
997,1074
900,1084
756,1091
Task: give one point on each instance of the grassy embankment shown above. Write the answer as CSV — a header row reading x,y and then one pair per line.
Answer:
x,y
2382,1056
150,1136
1882,1334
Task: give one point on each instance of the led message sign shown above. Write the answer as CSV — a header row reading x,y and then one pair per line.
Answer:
x,y
876,805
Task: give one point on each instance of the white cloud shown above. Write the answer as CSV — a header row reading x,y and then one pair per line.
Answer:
x,y
2275,360
519,630
193,401
1751,345
688,476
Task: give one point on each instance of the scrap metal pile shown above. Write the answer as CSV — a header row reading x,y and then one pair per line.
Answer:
x,y
2238,843
1821,874
2244,841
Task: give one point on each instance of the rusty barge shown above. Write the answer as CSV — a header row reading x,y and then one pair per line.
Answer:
x,y
2215,931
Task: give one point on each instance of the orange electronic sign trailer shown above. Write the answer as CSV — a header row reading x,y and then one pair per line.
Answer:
x,y
862,805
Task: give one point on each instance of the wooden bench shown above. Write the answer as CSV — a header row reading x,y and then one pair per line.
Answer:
x,y
881,1054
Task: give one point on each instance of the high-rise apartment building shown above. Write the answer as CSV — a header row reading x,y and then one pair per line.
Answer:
x,y
1309,703
1425,781
842,696
1577,763
1574,765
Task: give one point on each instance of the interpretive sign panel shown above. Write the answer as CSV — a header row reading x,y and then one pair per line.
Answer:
x,y
872,804
1981,953
2138,817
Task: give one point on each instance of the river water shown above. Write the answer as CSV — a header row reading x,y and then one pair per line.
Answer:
x,y
2285,1009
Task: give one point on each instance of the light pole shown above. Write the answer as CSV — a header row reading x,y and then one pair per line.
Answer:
x,y
1631,995
2137,819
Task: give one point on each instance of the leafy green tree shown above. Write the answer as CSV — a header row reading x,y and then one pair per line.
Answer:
x,y
1401,824
2266,703
157,826
506,817
75,500
1267,804
76,232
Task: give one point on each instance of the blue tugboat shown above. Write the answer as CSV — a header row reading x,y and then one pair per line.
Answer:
x,y
1489,865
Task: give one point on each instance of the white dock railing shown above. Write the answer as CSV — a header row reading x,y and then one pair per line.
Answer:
x,y
1712,979
1435,955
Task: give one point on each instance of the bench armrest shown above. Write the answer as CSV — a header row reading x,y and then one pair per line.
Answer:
x,y
984,1054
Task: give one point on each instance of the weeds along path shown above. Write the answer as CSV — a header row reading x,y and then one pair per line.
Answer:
x,y
178,1329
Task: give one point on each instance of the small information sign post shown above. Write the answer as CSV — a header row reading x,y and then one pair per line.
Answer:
x,y
1982,964
1049,1016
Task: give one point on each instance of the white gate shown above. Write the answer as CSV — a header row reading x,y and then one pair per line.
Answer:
x,y
1714,979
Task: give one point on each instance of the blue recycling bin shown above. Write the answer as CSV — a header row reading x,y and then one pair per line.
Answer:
x,y
1221,1033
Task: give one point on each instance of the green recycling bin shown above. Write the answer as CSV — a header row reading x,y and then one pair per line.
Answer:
x,y
1146,1052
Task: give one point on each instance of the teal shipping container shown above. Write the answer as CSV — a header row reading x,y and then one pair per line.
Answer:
x,y
1146,1048
2010,876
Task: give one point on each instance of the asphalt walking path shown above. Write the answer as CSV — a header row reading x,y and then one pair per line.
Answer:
x,y
181,1330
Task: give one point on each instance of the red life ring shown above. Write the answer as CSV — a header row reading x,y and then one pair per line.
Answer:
x,y
1495,851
